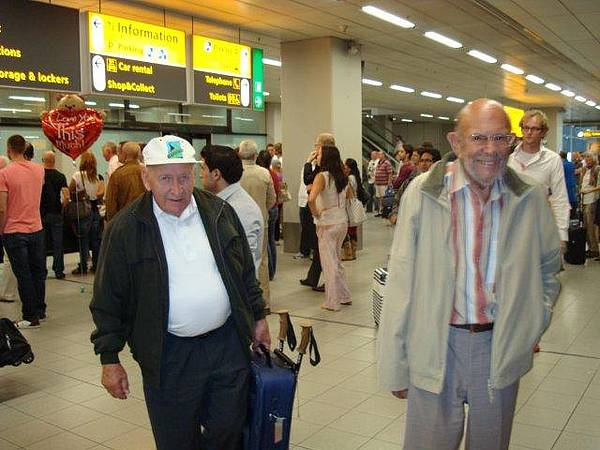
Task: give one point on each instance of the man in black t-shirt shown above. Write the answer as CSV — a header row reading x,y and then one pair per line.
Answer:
x,y
54,194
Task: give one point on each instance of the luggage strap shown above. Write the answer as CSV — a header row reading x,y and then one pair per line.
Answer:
x,y
313,348
291,335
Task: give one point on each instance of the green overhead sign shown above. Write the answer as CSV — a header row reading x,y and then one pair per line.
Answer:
x,y
258,80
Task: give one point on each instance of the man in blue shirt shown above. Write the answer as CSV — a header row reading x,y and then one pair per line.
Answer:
x,y
570,180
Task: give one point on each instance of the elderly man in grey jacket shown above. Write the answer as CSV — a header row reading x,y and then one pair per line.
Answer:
x,y
470,290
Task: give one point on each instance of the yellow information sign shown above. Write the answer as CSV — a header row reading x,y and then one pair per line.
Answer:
x,y
222,57
515,115
591,134
138,41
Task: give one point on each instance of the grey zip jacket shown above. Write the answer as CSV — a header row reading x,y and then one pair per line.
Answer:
x,y
418,298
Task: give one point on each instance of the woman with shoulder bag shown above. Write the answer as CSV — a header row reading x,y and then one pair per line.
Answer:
x,y
327,201
350,242
86,184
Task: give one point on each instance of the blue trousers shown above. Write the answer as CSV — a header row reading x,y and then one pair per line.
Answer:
x,y
89,232
204,382
53,227
28,260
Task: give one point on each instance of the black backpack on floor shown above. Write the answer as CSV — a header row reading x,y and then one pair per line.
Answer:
x,y
14,348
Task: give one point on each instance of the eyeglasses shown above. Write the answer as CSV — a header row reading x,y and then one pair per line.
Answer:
x,y
496,139
532,129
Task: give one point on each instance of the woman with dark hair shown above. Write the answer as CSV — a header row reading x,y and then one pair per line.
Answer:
x,y
264,160
327,201
87,182
349,246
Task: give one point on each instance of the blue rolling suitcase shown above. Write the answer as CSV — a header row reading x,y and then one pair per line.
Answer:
x,y
272,389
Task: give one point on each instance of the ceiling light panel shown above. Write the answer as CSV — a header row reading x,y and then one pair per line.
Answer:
x,y
553,87
455,99
387,16
440,38
427,115
271,62
371,82
581,99
512,69
567,93
483,56
397,87
431,94
534,79
27,99
590,103
406,120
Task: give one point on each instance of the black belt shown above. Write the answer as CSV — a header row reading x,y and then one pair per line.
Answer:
x,y
475,327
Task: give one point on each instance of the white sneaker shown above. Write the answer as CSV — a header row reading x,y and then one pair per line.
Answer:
x,y
27,324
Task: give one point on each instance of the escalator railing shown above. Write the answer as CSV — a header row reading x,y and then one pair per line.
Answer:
x,y
376,137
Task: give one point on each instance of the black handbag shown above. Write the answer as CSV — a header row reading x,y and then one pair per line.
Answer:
x,y
80,206
14,348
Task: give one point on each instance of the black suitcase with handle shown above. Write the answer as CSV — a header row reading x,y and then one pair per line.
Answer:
x,y
575,253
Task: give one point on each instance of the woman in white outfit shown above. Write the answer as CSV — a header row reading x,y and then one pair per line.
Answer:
x,y
327,201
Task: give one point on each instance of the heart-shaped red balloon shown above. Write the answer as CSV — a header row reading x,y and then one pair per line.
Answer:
x,y
72,131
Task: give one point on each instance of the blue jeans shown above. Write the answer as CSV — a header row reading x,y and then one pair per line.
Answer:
x,y
28,260
89,235
271,246
53,226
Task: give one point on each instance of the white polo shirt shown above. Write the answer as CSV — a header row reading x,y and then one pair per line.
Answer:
x,y
198,300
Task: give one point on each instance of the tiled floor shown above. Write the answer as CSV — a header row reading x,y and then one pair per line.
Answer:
x,y
57,402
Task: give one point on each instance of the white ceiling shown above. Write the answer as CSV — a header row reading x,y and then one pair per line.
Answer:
x,y
558,40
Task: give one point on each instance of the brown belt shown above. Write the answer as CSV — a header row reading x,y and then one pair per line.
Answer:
x,y
475,327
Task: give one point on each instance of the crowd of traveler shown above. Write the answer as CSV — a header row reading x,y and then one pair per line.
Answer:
x,y
233,227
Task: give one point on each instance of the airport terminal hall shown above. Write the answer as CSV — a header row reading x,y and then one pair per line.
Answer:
x,y
300,224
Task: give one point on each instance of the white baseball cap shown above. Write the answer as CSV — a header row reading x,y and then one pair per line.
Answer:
x,y
168,150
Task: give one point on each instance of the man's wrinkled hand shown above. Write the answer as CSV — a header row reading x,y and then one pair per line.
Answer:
x,y
261,334
400,394
114,379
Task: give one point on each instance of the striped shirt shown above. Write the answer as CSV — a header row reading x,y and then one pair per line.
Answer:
x,y
383,173
474,227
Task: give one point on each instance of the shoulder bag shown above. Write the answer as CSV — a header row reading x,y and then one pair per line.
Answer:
x,y
80,206
356,212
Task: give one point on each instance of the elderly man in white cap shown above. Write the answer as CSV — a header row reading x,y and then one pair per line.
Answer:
x,y
176,281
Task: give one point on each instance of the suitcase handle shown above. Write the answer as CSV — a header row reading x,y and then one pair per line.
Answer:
x,y
286,330
264,351
309,342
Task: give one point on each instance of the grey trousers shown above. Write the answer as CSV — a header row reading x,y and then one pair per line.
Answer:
x,y
436,421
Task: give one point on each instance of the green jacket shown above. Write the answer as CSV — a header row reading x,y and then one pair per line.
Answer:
x,y
131,288
413,334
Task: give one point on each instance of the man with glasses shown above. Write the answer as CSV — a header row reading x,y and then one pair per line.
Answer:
x,y
544,166
466,335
